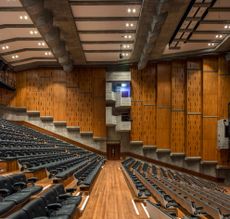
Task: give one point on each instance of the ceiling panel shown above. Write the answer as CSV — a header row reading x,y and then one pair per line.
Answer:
x,y
218,15
21,45
27,54
222,3
13,17
10,33
103,57
106,46
10,3
187,47
105,10
218,27
206,36
106,37
105,25
210,35
33,61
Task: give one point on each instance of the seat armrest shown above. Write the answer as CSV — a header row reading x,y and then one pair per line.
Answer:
x,y
70,190
64,196
32,180
4,192
19,185
54,206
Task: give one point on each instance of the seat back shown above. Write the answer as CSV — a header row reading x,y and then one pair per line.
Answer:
x,y
59,188
5,183
36,208
21,214
19,177
49,197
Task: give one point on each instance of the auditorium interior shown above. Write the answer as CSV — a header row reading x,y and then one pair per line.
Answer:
x,y
115,109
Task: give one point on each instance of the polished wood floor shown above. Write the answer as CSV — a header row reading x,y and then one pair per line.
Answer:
x,y
110,197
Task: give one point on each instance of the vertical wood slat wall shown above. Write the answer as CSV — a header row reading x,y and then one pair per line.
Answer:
x,y
189,98
77,97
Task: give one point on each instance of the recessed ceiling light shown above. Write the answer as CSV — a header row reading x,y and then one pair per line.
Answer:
x,y
125,36
227,26
23,17
132,10
127,24
128,46
48,53
41,43
5,47
126,54
211,44
131,25
130,36
33,32
15,56
124,46
219,36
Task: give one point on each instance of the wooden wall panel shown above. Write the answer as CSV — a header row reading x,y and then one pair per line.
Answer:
x,y
67,97
6,96
143,110
163,105
178,131
99,105
149,124
178,107
136,84
163,128
210,107
194,109
164,84
194,135
136,133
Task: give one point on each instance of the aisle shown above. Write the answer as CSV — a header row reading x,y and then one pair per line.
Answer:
x,y
111,197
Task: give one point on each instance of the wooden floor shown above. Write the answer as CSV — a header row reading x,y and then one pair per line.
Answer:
x,y
111,197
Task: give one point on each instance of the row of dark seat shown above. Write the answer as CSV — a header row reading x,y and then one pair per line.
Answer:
x,y
16,189
142,191
174,189
86,176
56,203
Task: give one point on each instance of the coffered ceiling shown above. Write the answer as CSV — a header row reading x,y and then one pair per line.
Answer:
x,y
91,32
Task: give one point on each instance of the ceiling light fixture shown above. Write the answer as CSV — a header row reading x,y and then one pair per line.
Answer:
x,y
211,44
219,36
41,43
15,57
130,36
48,53
5,47
23,17
33,32
227,26
129,10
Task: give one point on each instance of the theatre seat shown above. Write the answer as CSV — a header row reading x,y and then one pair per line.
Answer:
x,y
65,197
5,206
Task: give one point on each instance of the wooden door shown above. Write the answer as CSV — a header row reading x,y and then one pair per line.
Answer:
x,y
113,151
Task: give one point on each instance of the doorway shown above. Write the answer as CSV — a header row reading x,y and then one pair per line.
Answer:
x,y
113,151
